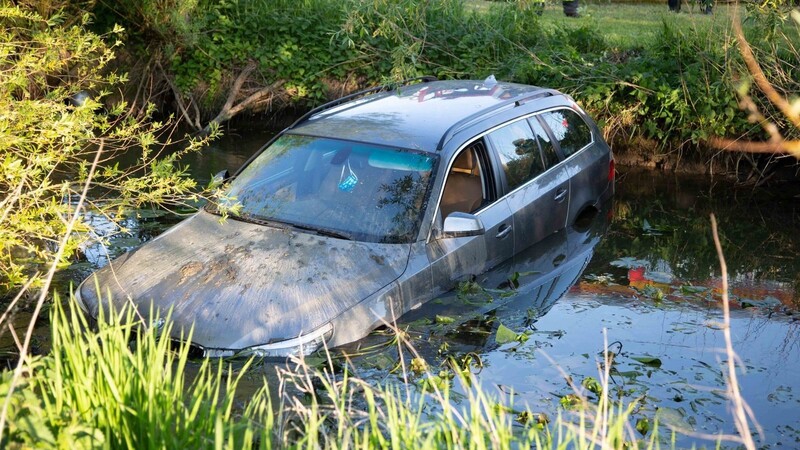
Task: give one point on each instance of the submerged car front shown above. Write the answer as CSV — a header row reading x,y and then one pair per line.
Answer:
x,y
305,232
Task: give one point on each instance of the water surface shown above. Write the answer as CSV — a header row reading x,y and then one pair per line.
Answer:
x,y
642,277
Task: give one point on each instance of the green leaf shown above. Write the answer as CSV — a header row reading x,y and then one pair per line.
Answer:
x,y
504,335
648,360
444,320
643,426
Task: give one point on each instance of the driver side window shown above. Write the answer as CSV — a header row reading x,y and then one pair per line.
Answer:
x,y
467,188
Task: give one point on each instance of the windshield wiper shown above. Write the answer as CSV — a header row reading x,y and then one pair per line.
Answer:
x,y
258,221
324,232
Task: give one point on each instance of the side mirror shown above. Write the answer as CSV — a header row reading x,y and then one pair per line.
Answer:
x,y
459,224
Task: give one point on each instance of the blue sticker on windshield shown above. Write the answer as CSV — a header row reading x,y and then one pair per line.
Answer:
x,y
349,183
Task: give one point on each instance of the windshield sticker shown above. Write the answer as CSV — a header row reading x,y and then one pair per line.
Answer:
x,y
347,184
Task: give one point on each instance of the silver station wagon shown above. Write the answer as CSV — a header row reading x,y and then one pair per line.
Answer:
x,y
364,209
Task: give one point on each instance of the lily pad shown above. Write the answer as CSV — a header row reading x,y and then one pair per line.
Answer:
x,y
648,360
149,213
768,302
672,418
505,335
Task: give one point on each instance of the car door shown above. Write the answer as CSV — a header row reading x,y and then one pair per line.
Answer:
x,y
587,160
457,259
536,182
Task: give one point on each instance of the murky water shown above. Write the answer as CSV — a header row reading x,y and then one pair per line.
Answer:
x,y
651,291
643,277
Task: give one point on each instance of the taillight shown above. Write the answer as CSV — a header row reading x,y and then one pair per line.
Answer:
x,y
611,170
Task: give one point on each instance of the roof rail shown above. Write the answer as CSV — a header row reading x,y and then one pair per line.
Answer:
x,y
461,124
372,90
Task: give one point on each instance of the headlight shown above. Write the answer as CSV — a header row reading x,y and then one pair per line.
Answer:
x,y
304,344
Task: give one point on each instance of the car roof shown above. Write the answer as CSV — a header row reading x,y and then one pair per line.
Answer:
x,y
420,116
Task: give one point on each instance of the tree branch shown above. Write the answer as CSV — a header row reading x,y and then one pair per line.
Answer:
x,y
790,147
229,110
178,99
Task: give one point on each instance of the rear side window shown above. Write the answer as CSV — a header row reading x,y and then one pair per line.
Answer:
x,y
569,130
548,151
519,153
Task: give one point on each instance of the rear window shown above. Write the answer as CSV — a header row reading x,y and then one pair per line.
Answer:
x,y
569,130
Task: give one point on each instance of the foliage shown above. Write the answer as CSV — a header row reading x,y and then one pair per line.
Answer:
x,y
124,386
57,114
403,39
676,87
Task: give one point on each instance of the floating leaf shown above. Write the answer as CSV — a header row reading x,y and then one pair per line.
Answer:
x,y
690,290
643,426
659,277
672,418
629,262
768,302
629,374
593,386
315,361
149,213
648,360
444,320
570,401
504,335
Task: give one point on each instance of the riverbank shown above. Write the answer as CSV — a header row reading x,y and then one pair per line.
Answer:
x,y
661,84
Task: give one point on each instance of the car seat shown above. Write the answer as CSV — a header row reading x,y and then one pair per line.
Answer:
x,y
463,189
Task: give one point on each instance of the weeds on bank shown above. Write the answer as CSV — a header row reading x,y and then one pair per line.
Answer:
x,y
126,384
123,385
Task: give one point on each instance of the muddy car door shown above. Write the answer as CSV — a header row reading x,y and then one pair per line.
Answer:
x,y
469,197
536,182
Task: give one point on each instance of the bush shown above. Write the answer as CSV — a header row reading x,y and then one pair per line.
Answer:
x,y
57,113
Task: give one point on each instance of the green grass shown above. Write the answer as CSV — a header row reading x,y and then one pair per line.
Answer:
x,y
628,25
119,385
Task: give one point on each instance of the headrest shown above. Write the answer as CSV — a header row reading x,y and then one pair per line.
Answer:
x,y
465,163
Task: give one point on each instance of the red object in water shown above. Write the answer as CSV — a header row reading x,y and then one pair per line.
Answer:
x,y
636,274
611,170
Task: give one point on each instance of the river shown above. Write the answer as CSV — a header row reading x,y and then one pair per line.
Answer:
x,y
642,281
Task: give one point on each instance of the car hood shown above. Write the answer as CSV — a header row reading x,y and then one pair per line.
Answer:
x,y
242,284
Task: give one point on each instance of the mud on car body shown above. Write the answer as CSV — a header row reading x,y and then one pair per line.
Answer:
x,y
366,208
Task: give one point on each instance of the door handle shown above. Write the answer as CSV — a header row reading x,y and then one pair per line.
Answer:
x,y
503,231
561,194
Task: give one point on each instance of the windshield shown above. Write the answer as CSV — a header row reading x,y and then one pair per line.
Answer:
x,y
341,188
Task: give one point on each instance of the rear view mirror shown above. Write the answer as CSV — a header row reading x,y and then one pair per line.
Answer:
x,y
459,224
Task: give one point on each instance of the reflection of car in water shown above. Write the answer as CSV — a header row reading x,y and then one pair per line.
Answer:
x,y
365,209
540,275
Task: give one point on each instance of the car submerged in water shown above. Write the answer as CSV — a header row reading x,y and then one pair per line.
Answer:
x,y
364,209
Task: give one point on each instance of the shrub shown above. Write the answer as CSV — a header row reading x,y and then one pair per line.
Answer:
x,y
57,113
